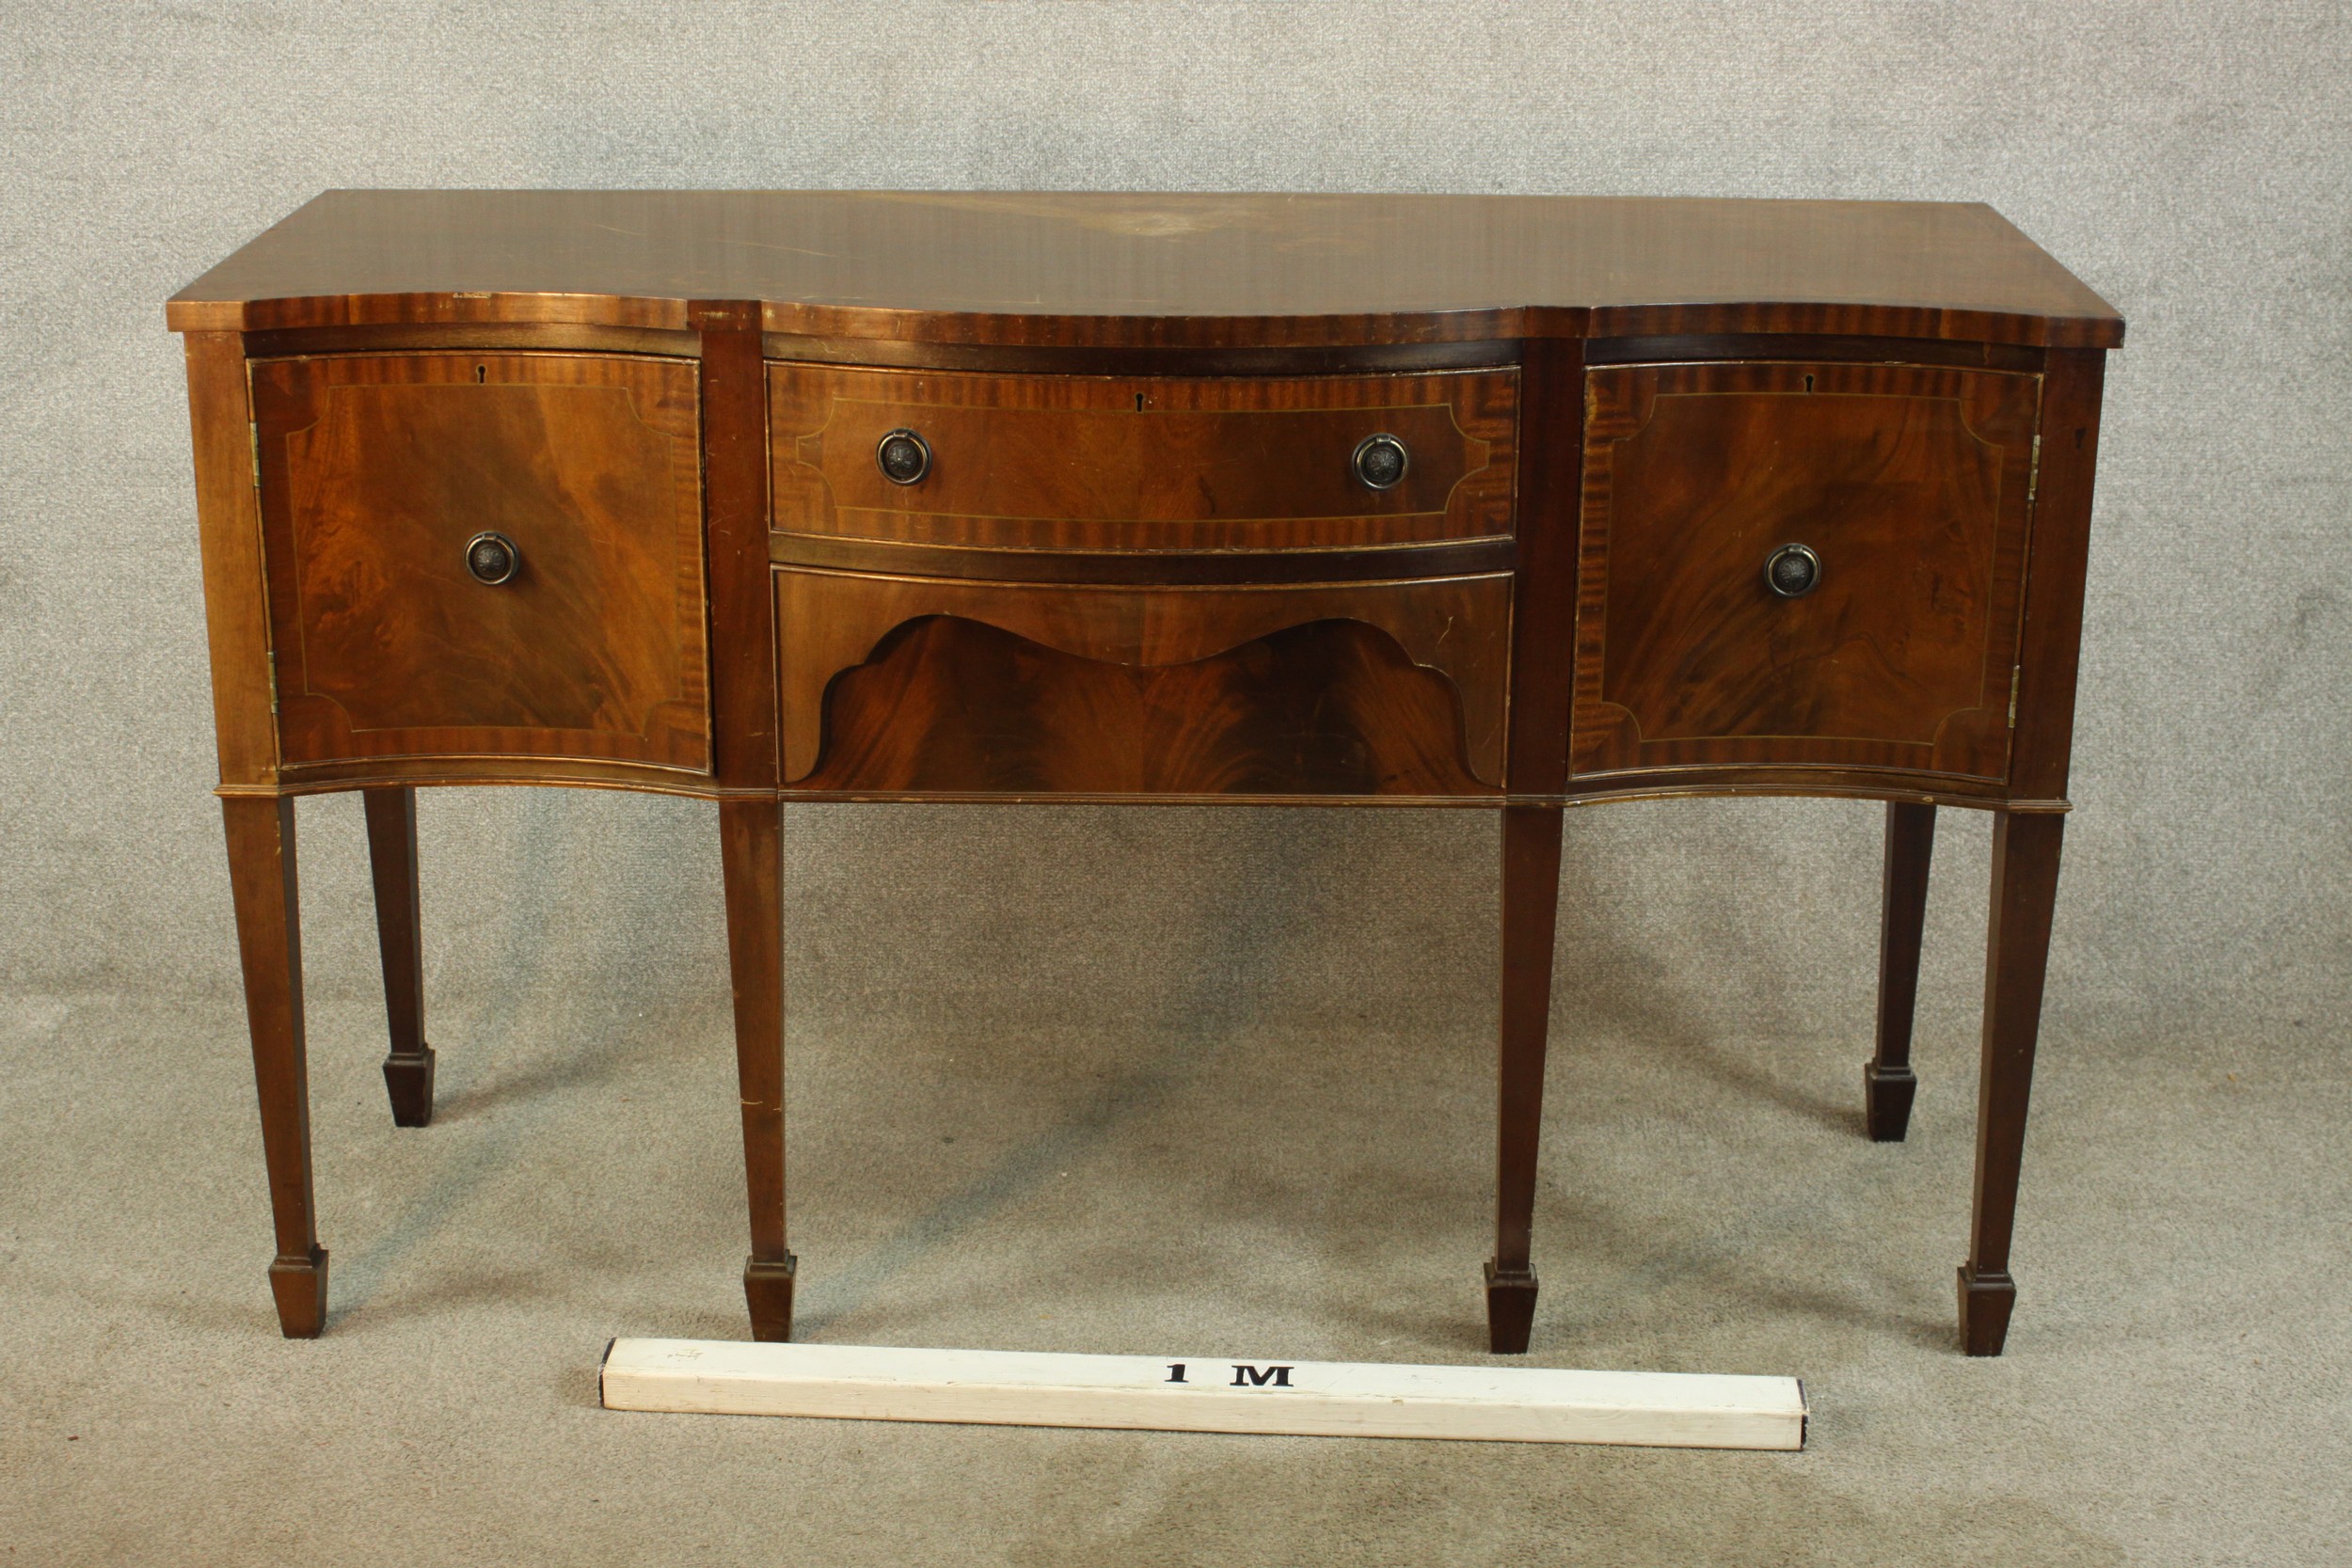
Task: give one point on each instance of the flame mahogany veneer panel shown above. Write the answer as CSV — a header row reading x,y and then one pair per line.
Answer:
x,y
1908,483
1331,708
1111,463
377,469
1344,688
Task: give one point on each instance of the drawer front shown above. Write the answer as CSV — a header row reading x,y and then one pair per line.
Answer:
x,y
1909,487
933,685
377,473
1099,463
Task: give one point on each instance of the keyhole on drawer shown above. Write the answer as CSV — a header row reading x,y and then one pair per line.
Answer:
x,y
1808,383
1138,402
482,372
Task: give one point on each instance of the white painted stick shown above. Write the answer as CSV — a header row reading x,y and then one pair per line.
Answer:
x,y
1331,1399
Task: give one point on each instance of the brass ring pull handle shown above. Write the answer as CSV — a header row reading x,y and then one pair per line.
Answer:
x,y
1793,571
1379,462
492,559
904,457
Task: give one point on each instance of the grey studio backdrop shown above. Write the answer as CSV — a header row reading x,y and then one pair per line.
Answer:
x,y
1072,973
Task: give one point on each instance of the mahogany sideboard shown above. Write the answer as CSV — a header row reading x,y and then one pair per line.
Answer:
x,y
1508,503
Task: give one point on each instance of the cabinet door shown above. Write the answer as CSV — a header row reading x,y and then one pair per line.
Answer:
x,y
379,473
1889,643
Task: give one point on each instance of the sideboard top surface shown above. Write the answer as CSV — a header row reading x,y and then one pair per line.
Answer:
x,y
1112,270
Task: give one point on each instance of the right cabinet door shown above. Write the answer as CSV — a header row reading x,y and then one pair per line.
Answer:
x,y
1808,565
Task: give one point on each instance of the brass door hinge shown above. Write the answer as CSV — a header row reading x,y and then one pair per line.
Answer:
x,y
273,681
2033,473
2016,673
253,429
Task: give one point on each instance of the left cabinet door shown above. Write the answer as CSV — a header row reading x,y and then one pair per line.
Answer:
x,y
484,555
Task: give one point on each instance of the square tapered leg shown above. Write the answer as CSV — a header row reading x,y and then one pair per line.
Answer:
x,y
2017,956
1531,898
1888,1085
391,814
750,835
261,878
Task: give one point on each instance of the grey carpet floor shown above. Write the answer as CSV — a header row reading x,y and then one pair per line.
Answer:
x,y
2175,1390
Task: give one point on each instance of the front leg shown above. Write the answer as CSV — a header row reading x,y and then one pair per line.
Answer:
x,y
1531,898
750,845
391,814
269,940
2017,954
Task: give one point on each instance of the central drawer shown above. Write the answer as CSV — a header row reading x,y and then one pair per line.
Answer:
x,y
1141,463
924,685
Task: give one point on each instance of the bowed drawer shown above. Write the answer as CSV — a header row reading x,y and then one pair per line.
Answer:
x,y
1062,463
911,684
